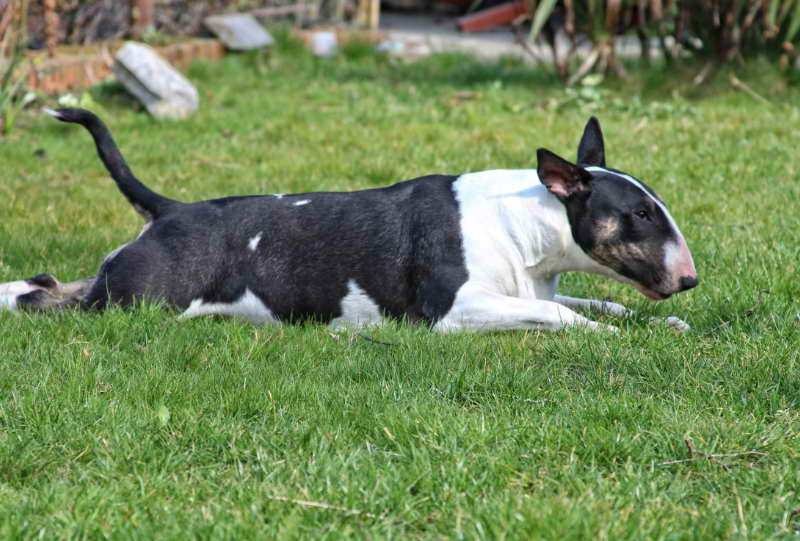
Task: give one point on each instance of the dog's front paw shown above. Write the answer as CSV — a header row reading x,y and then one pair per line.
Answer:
x,y
676,324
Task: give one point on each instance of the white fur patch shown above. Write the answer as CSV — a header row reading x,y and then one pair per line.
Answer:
x,y
358,309
516,235
672,254
253,243
248,307
302,202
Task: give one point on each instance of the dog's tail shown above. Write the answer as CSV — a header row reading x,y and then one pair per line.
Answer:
x,y
146,202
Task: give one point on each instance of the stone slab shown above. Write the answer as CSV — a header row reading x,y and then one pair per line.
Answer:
x,y
163,90
239,31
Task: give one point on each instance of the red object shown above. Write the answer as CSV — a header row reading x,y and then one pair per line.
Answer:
x,y
492,17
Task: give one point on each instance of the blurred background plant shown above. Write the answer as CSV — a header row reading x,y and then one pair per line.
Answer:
x,y
13,68
575,38
715,32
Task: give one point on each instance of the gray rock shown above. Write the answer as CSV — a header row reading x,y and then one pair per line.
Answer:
x,y
239,31
163,90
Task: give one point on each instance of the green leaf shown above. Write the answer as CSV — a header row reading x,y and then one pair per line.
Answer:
x,y
544,11
772,11
794,25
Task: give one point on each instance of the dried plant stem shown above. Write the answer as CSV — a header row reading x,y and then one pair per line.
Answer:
x,y
712,457
143,15
739,85
323,505
51,26
585,68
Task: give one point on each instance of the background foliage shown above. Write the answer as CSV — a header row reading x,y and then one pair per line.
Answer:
x,y
715,31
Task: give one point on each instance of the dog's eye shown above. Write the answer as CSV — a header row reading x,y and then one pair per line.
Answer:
x,y
643,214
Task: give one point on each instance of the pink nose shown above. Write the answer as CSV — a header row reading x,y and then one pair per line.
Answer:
x,y
683,270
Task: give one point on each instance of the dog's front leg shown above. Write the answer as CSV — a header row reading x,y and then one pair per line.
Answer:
x,y
602,307
614,309
485,311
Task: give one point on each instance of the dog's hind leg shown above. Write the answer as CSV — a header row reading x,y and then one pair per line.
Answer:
x,y
42,292
11,291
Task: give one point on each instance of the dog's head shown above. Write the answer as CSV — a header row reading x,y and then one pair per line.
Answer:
x,y
618,221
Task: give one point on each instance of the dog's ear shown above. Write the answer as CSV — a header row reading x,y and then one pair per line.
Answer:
x,y
562,178
591,150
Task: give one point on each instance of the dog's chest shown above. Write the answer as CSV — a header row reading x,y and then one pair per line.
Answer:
x,y
508,226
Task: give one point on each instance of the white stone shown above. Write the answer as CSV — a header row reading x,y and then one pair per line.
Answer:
x,y
239,31
163,90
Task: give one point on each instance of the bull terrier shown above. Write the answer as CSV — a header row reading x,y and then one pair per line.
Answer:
x,y
475,252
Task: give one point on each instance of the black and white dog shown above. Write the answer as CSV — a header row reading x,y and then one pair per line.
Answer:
x,y
480,251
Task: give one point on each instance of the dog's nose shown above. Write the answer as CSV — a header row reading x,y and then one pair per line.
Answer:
x,y
688,282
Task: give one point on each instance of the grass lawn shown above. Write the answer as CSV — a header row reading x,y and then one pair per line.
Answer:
x,y
132,425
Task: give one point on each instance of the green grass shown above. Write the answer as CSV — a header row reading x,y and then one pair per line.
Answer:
x,y
130,424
